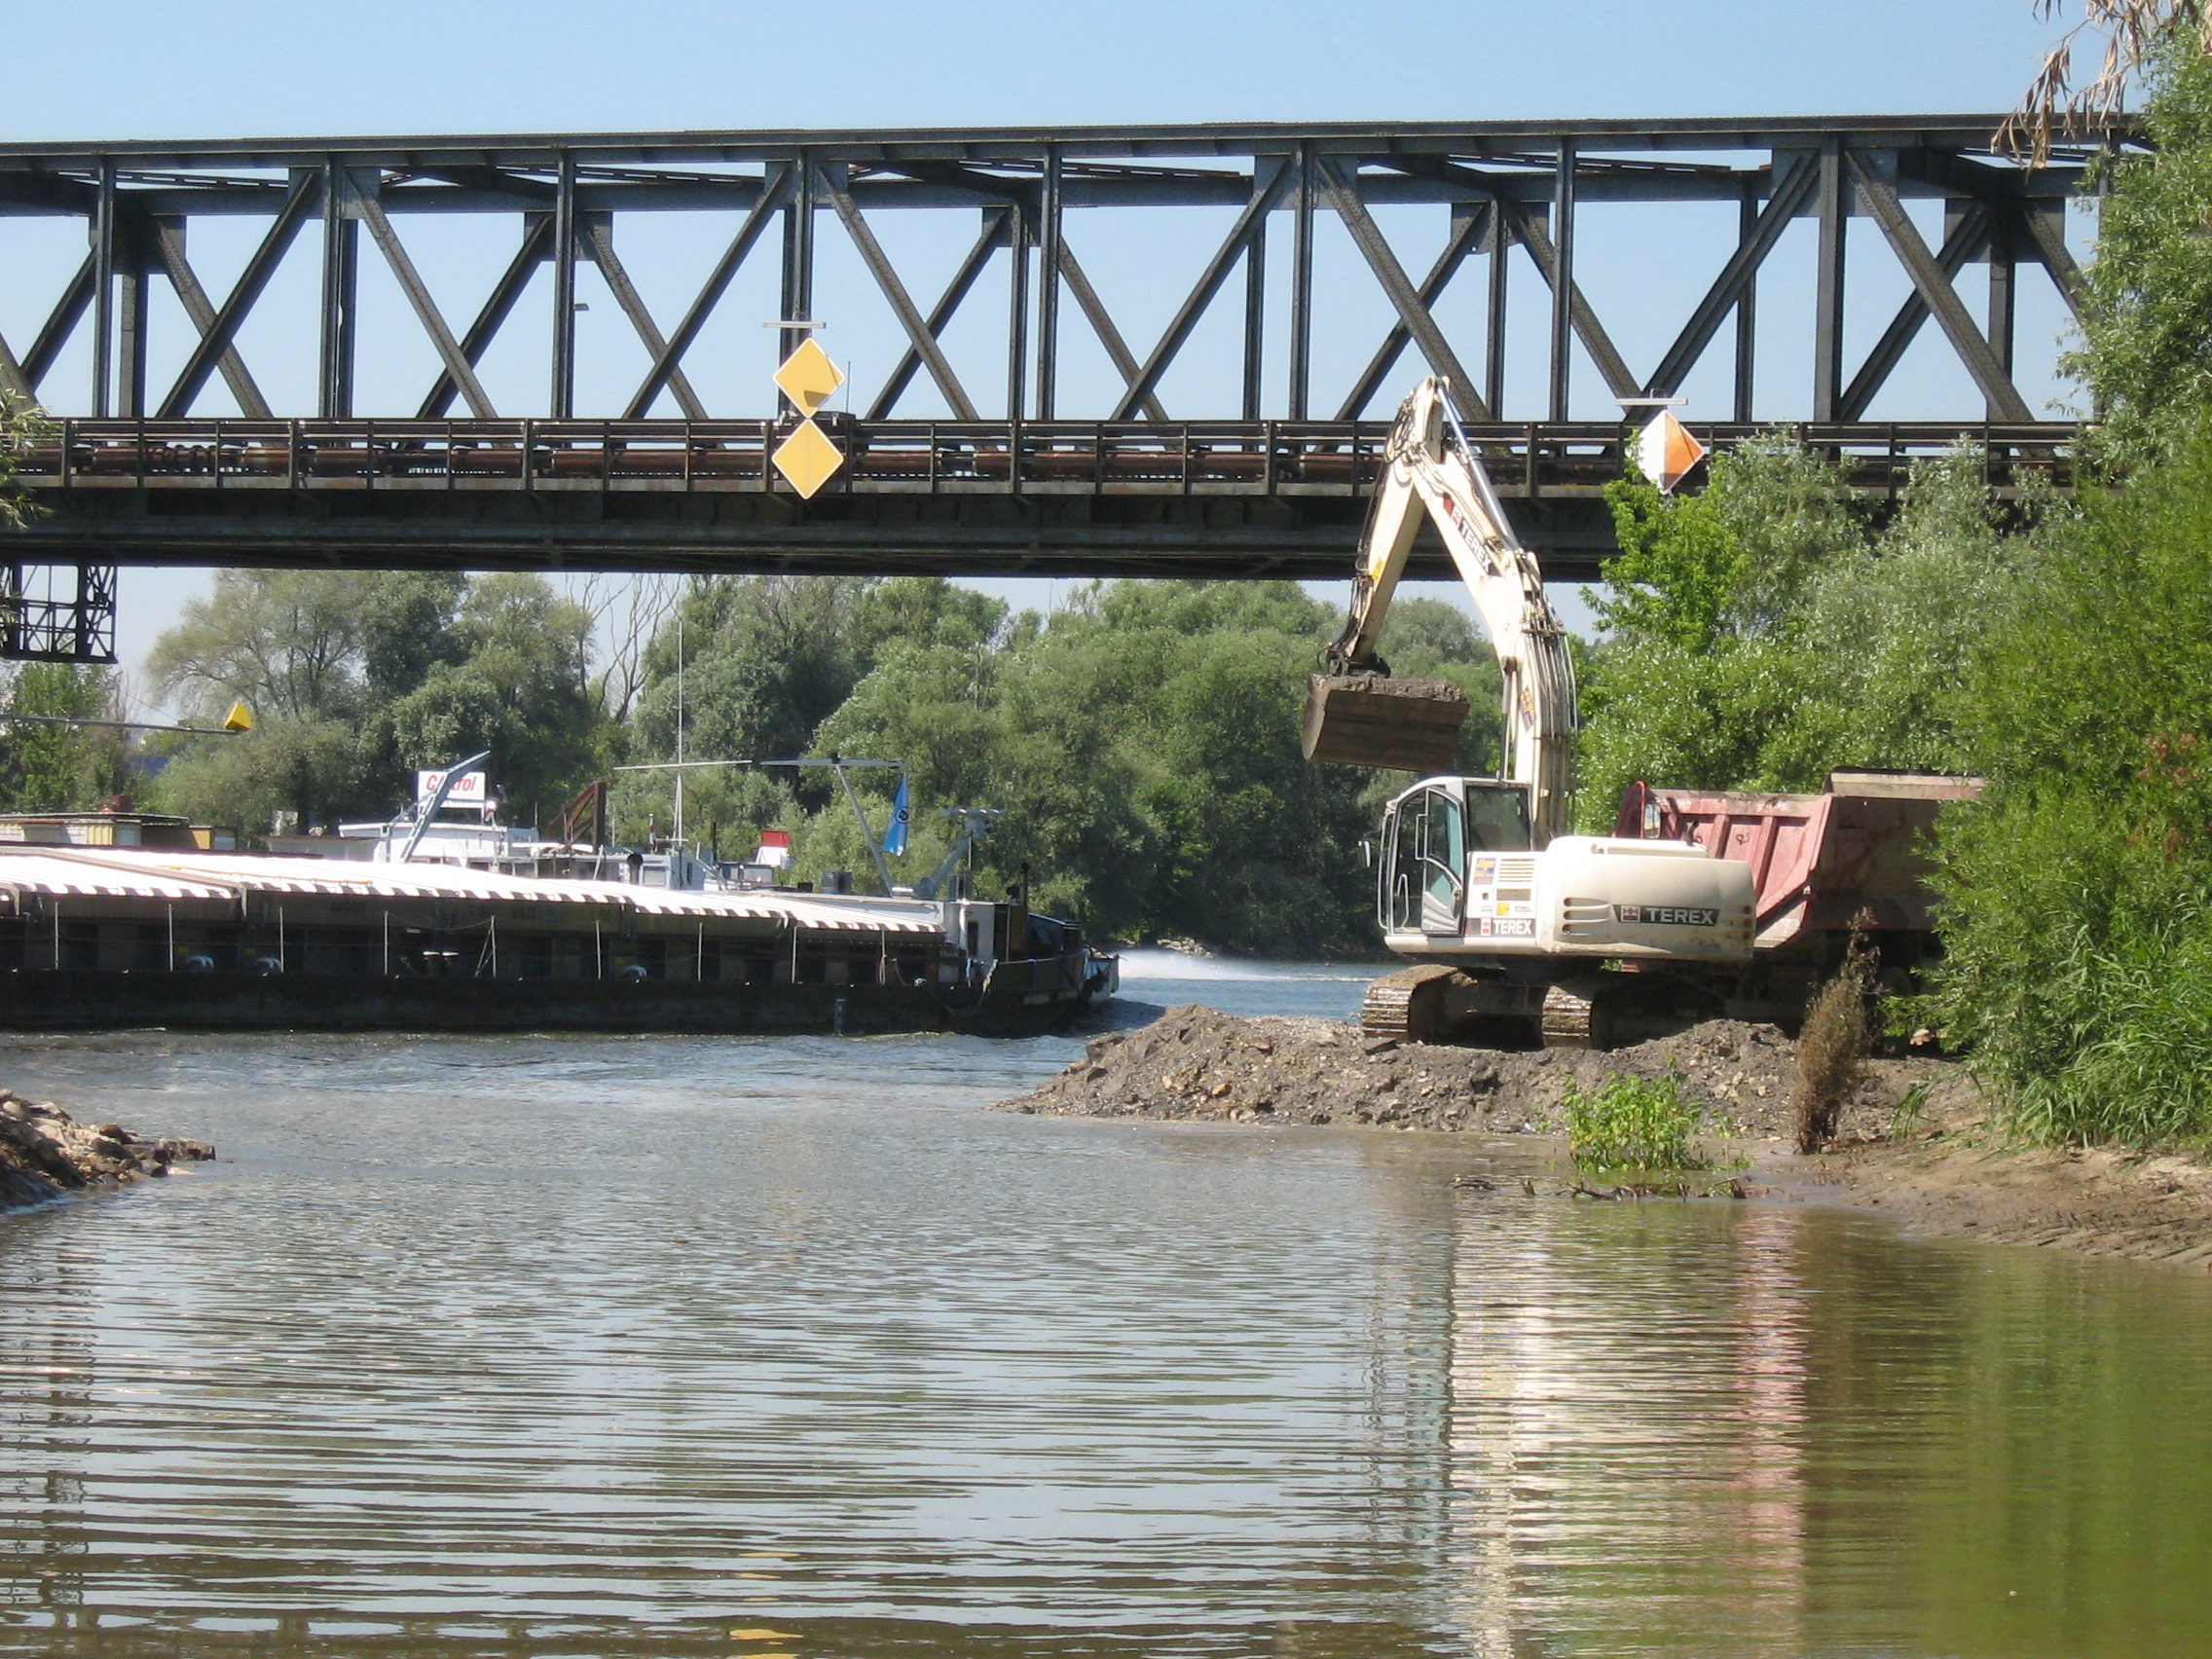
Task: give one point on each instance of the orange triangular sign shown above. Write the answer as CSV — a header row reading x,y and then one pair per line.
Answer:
x,y
1667,451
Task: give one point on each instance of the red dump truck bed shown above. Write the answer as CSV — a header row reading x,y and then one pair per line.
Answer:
x,y
1818,860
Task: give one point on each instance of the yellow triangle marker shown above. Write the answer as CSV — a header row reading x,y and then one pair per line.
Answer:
x,y
240,718
809,459
808,377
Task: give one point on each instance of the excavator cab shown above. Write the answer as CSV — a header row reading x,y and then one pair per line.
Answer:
x,y
1429,833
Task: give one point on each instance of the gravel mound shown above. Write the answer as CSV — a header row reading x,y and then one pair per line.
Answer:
x,y
45,1152
1196,1062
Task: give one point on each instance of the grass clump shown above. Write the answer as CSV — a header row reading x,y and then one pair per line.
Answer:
x,y
1633,1122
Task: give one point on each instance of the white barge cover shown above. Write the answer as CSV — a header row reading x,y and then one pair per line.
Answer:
x,y
130,872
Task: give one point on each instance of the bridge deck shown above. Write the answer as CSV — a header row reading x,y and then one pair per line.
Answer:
x,y
1192,498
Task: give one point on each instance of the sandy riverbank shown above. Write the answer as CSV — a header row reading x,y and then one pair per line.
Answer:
x,y
47,1153
1914,1142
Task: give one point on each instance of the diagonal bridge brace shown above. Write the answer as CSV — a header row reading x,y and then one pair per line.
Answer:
x,y
1466,237
222,329
457,364
537,248
775,192
1968,237
1789,195
1526,228
1934,289
999,228
598,239
1264,198
1342,187
921,339
169,243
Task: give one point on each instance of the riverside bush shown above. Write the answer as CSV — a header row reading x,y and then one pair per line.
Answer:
x,y
1632,1122
2078,932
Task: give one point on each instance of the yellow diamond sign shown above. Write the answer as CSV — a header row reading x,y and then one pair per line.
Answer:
x,y
808,377
809,459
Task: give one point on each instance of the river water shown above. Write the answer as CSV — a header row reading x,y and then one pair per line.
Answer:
x,y
579,1346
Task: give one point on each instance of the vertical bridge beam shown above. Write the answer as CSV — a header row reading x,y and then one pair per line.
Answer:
x,y
1834,210
1302,286
563,400
341,282
1048,286
1563,279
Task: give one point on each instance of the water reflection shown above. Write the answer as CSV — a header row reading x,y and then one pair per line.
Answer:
x,y
589,1346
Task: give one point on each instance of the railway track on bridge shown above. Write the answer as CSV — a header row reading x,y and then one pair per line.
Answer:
x,y
1184,499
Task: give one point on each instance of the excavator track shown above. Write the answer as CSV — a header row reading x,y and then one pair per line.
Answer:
x,y
1396,1005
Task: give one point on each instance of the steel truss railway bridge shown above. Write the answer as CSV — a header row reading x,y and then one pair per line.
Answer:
x,y
1011,480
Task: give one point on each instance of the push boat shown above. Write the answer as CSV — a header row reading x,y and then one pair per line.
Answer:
x,y
484,927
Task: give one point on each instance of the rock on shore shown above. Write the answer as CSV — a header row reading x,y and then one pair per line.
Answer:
x,y
44,1153
1194,1063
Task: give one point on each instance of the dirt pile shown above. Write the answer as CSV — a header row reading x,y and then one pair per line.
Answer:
x,y
1194,1063
1916,1140
45,1152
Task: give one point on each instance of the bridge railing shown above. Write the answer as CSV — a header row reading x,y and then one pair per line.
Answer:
x,y
1530,459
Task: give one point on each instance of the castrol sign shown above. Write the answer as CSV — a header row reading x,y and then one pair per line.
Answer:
x,y
467,789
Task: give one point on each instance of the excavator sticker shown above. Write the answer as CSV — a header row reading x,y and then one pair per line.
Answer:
x,y
1668,915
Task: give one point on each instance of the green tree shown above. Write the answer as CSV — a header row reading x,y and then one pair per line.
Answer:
x,y
766,662
58,768
1762,636
1144,745
287,643
2146,354
1702,680
357,678
510,675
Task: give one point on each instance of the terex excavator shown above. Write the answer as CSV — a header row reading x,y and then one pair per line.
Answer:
x,y
1511,918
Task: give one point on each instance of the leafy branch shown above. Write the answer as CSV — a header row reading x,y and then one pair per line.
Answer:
x,y
22,425
2134,33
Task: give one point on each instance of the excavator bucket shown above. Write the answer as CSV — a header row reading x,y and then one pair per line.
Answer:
x,y
1362,719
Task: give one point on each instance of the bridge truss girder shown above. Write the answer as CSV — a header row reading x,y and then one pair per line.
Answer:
x,y
1503,185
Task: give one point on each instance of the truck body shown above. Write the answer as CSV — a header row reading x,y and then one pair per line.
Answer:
x,y
1857,854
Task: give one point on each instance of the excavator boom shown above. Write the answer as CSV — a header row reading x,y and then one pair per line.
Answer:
x,y
1357,713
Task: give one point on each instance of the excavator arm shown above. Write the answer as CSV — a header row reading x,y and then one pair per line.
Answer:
x,y
1361,715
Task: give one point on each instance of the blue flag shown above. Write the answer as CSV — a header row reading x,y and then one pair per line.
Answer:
x,y
895,837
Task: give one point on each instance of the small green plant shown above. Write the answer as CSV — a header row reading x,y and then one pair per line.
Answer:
x,y
1633,1122
1909,1113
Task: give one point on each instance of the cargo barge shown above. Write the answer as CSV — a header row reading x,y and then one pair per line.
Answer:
x,y
98,937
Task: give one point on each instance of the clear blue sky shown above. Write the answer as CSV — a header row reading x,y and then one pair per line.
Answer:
x,y
94,70
162,70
